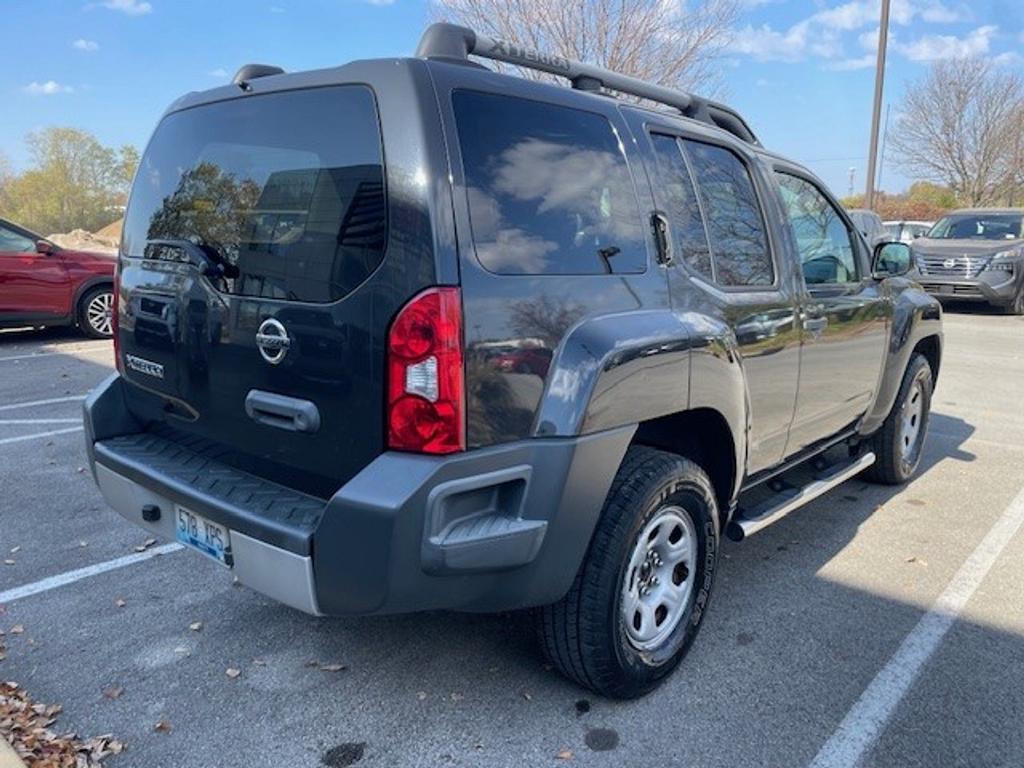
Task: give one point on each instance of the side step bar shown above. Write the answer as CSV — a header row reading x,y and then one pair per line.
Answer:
x,y
751,521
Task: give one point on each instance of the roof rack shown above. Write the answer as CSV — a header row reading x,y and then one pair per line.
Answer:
x,y
252,71
450,41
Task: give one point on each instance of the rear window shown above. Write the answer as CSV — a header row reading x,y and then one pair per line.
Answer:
x,y
288,187
549,189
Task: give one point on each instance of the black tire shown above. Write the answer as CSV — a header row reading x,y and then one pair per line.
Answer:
x,y
585,635
87,321
1016,307
896,461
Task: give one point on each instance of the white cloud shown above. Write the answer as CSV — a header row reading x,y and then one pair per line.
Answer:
x,y
934,47
49,88
1008,59
86,45
220,73
131,7
821,35
849,65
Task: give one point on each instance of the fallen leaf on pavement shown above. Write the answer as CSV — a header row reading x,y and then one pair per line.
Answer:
x,y
113,692
15,550
917,560
259,662
195,626
145,545
8,562
332,667
527,696
162,726
17,629
232,672
563,754
28,727
457,696
120,602
421,695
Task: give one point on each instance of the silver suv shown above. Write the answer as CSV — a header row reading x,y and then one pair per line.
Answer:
x,y
976,255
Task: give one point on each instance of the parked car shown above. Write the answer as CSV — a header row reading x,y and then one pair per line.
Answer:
x,y
870,225
975,255
721,346
906,231
42,284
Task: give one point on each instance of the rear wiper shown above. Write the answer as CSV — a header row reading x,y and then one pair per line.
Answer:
x,y
206,258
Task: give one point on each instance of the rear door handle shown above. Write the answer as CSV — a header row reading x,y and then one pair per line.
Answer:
x,y
283,412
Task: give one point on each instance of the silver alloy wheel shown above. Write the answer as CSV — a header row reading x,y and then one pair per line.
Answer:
x,y
659,578
910,428
99,313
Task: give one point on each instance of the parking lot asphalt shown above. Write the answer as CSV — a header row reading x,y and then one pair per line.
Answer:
x,y
880,625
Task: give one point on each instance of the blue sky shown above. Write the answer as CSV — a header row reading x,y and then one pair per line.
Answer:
x,y
801,71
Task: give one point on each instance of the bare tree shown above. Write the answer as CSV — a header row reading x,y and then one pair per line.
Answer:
x,y
668,42
959,126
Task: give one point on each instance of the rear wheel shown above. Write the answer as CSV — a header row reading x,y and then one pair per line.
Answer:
x,y
96,312
900,441
641,593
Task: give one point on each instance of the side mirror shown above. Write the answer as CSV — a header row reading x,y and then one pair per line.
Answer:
x,y
891,260
45,247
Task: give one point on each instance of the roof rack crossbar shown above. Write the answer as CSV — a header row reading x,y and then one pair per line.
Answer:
x,y
450,41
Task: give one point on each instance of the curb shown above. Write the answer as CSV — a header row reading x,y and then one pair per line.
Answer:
x,y
8,757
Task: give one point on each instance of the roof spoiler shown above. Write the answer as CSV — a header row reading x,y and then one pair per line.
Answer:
x,y
450,41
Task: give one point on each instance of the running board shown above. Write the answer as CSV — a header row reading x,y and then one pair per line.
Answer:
x,y
752,521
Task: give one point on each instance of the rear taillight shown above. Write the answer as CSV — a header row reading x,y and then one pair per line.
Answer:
x,y
426,411
114,322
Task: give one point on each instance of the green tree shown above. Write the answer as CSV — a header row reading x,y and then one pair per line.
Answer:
x,y
74,182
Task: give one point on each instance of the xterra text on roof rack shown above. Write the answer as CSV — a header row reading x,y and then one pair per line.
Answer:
x,y
410,334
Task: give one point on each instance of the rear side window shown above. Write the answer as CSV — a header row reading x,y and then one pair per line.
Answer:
x,y
677,194
549,189
739,245
289,187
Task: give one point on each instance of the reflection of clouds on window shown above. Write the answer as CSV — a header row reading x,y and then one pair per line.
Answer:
x,y
548,188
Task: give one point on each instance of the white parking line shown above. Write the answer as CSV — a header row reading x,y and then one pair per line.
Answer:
x,y
51,401
10,422
863,724
51,433
45,585
65,353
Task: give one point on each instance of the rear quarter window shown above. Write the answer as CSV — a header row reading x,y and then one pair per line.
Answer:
x,y
289,187
548,187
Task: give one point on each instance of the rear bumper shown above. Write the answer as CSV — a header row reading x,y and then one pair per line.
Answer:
x,y
491,529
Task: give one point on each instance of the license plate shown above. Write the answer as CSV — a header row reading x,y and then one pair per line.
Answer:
x,y
206,536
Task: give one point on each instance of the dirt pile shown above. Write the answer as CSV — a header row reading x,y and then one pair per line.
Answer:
x,y
80,240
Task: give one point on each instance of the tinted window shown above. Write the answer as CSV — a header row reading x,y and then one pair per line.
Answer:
x,y
549,190
12,242
979,226
822,238
289,187
739,245
676,193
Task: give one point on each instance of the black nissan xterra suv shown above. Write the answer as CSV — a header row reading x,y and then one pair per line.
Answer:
x,y
412,334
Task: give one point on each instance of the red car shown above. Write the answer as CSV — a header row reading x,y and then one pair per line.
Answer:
x,y
42,284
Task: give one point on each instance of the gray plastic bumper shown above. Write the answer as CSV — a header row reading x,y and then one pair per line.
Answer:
x,y
491,529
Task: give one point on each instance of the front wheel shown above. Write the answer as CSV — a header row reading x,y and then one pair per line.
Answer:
x,y
96,313
1016,306
642,591
900,441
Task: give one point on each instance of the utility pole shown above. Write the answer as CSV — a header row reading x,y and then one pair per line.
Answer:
x,y
876,112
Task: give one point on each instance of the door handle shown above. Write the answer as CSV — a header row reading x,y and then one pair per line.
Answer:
x,y
286,413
